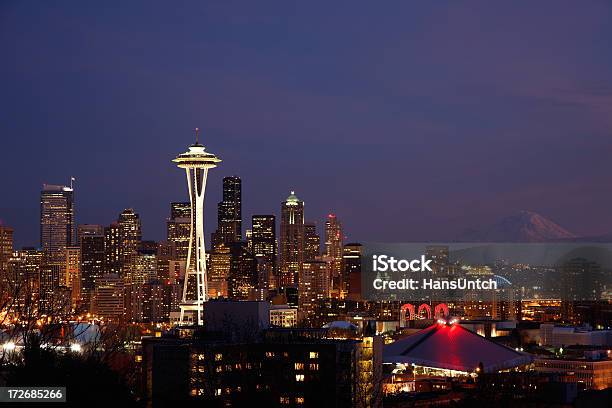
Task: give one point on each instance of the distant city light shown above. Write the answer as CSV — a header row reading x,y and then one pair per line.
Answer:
x,y
75,347
8,346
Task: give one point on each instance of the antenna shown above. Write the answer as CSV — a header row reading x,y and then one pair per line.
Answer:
x,y
197,132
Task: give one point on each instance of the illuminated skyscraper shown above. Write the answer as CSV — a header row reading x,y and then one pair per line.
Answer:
x,y
130,237
352,270
243,272
263,239
92,266
196,162
291,240
72,276
6,249
220,262
178,228
314,285
333,252
112,248
229,214
57,228
312,242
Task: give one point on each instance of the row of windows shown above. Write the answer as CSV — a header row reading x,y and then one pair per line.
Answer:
x,y
287,400
311,366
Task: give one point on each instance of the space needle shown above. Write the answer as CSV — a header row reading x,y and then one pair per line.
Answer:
x,y
196,162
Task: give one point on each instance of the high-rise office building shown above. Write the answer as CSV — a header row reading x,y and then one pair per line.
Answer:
x,y
108,297
291,240
352,270
220,262
6,248
112,249
229,214
130,237
243,272
72,276
166,253
178,228
144,268
314,285
196,162
24,272
333,253
263,246
51,300
92,266
312,242
57,228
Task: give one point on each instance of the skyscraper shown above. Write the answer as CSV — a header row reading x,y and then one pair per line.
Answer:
x,y
352,270
243,272
263,242
108,298
92,266
130,237
178,229
196,162
57,228
220,262
312,242
24,276
112,248
6,248
72,276
229,215
333,252
314,285
291,240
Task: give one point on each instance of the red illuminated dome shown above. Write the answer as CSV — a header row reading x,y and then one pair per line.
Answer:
x,y
453,347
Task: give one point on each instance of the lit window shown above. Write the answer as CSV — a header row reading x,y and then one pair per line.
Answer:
x,y
218,392
269,354
299,377
314,354
284,400
314,366
218,357
299,400
299,366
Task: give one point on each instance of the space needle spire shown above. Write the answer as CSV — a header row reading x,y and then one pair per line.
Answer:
x,y
196,161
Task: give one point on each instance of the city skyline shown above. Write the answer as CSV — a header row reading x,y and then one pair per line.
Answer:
x,y
409,203
477,127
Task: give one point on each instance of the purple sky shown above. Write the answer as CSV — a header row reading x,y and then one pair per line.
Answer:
x,y
411,122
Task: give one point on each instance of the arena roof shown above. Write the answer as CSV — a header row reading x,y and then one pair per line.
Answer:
x,y
452,347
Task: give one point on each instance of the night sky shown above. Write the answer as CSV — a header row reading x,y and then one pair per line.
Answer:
x,y
411,122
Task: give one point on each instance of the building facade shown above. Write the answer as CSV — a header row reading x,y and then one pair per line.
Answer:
x,y
291,240
57,227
